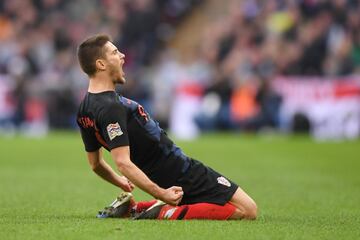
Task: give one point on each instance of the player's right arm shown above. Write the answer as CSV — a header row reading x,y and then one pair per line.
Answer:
x,y
103,170
95,159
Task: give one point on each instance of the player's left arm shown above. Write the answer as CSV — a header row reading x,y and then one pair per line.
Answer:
x,y
103,169
121,156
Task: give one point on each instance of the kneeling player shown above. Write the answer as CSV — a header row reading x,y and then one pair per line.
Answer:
x,y
141,150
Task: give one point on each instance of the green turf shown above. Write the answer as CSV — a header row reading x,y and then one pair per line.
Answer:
x,y
304,190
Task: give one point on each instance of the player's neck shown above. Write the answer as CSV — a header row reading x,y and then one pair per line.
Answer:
x,y
100,83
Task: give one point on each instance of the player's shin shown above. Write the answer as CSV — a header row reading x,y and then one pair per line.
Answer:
x,y
197,211
143,205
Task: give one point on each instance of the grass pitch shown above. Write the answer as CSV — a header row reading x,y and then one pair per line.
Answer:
x,y
304,190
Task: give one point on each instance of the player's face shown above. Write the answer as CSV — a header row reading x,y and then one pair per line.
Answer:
x,y
115,61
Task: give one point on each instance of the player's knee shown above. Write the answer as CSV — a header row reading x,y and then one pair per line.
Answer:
x,y
251,211
246,206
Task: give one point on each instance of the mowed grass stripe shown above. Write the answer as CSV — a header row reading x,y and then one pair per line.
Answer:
x,y
304,189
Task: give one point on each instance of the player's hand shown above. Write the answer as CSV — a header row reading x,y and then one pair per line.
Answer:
x,y
126,184
172,195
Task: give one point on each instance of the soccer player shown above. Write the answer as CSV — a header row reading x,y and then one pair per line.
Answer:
x,y
142,151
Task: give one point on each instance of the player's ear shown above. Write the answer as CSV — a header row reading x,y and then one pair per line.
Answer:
x,y
100,64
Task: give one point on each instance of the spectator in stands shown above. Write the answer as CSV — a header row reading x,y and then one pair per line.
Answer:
x,y
37,39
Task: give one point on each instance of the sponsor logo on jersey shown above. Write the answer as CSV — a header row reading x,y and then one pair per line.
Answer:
x,y
223,181
114,130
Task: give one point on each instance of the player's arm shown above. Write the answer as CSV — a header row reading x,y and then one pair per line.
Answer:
x,y
121,157
103,169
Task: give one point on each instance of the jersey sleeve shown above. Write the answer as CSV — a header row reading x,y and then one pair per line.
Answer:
x,y
90,142
113,126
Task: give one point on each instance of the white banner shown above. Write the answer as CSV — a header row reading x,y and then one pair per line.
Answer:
x,y
332,105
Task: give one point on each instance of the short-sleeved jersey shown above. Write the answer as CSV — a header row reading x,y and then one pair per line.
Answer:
x,y
109,120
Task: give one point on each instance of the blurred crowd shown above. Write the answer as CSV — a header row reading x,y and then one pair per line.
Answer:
x,y
40,80
243,50
226,84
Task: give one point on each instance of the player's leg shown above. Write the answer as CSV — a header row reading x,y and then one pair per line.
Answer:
x,y
240,206
245,206
141,206
124,206
209,211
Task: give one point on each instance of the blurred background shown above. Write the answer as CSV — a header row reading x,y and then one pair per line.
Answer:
x,y
287,66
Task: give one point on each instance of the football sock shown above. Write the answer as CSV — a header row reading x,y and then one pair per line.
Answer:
x,y
197,211
143,205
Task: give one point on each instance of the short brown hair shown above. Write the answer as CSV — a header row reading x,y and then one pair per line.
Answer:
x,y
90,50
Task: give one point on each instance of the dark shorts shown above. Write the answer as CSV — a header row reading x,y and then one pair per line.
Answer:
x,y
202,184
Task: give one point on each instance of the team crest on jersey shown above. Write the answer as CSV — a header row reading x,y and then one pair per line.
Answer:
x,y
223,181
114,130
